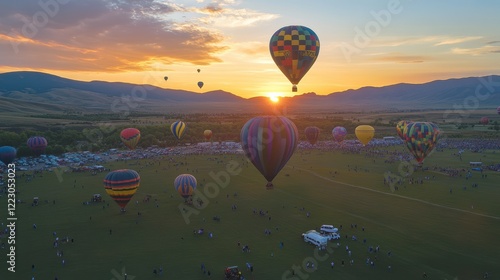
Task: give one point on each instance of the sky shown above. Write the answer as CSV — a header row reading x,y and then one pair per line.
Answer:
x,y
362,42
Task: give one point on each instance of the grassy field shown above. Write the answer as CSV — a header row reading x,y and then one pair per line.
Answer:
x,y
426,229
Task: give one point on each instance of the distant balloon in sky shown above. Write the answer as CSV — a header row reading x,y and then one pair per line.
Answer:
x,y
166,78
294,49
130,137
200,84
121,185
178,129
199,70
484,120
269,142
37,144
364,133
339,133
421,138
312,134
7,154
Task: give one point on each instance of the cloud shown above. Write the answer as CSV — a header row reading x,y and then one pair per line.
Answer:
x,y
493,43
487,49
434,40
456,40
115,35
399,58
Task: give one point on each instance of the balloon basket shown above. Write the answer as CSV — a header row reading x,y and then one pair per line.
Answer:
x,y
269,186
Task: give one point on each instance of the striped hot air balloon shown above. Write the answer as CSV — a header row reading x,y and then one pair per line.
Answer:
x,y
269,142
185,184
400,127
130,137
37,144
178,129
312,134
121,185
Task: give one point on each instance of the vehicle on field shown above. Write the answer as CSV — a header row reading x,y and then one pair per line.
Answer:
x,y
315,238
328,229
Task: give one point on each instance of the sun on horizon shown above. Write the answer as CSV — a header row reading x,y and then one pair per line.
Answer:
x,y
274,97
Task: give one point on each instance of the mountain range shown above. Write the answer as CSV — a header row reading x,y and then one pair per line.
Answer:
x,y
36,92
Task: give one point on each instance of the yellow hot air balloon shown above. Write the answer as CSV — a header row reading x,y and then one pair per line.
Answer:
x,y
365,133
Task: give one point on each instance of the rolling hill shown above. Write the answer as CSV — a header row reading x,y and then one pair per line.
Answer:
x,y
35,92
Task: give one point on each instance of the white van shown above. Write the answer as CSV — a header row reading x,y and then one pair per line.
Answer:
x,y
328,229
315,238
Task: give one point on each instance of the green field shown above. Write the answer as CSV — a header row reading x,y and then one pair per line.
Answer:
x,y
427,229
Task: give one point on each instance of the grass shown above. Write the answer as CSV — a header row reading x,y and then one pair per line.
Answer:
x,y
424,226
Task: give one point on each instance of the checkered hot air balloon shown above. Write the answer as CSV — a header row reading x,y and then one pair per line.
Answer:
x,y
421,138
294,49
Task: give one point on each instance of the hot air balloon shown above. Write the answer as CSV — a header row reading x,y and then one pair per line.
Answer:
x,y
199,70
312,134
400,127
7,154
185,184
269,142
208,134
498,110
364,133
339,133
484,120
166,78
200,84
121,185
421,138
37,144
130,137
294,49
178,129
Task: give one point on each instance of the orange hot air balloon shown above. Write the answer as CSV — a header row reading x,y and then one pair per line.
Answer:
x,y
208,134
130,137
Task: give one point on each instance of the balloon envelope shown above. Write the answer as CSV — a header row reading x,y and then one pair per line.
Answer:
x,y
339,133
7,154
200,84
294,49
199,70
130,137
400,127
178,129
185,184
312,134
208,134
37,144
269,142
364,133
484,120
121,185
166,78
421,138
